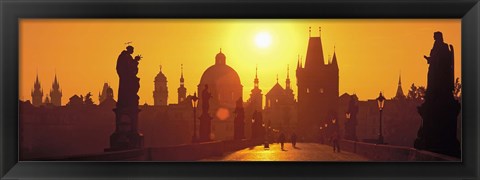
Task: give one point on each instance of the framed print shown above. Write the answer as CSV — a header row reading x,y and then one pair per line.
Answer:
x,y
239,89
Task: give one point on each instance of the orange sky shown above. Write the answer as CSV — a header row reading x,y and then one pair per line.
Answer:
x,y
371,53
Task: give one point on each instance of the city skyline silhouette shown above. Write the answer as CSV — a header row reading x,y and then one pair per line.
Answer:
x,y
381,71
320,113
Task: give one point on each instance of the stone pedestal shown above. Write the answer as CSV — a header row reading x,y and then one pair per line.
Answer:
x,y
205,127
239,130
438,132
126,135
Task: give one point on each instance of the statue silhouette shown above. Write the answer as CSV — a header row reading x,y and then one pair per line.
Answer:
x,y
126,135
440,70
440,110
127,69
239,120
205,118
206,99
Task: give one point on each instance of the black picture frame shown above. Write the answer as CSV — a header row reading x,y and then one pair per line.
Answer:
x,y
11,11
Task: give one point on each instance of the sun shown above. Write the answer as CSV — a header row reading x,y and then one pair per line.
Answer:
x,y
263,40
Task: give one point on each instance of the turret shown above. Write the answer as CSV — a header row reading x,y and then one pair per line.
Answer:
x,y
56,93
37,93
182,91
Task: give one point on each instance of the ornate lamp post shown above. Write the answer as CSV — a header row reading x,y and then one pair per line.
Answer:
x,y
348,128
334,127
381,103
194,105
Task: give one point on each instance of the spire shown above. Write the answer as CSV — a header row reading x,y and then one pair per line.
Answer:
x,y
160,68
334,59
400,79
319,31
277,78
181,76
309,31
287,81
288,71
181,69
181,91
55,84
315,59
256,71
255,82
55,81
36,80
37,85
298,61
399,94
301,61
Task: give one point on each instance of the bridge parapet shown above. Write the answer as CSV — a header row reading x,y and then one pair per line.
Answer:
x,y
186,152
385,152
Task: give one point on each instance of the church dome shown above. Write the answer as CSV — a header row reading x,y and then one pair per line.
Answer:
x,y
223,83
220,74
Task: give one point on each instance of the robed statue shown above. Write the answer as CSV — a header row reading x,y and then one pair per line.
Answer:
x,y
205,118
126,135
239,120
206,99
440,78
127,69
439,111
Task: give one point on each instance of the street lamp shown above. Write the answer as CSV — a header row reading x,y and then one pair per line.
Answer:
x,y
381,103
348,126
194,105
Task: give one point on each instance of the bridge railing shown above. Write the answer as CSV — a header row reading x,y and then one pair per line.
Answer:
x,y
186,152
385,152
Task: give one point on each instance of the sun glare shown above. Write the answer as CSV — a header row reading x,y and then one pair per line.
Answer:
x,y
263,40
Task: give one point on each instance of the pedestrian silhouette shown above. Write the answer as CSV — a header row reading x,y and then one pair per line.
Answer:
x,y
266,145
281,139
293,137
335,141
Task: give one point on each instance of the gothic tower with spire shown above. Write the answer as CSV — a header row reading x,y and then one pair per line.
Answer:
x,y
37,93
256,96
399,94
160,93
182,91
318,89
56,93
290,97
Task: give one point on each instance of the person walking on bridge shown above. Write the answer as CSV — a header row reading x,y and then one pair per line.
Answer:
x,y
281,139
335,141
293,137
